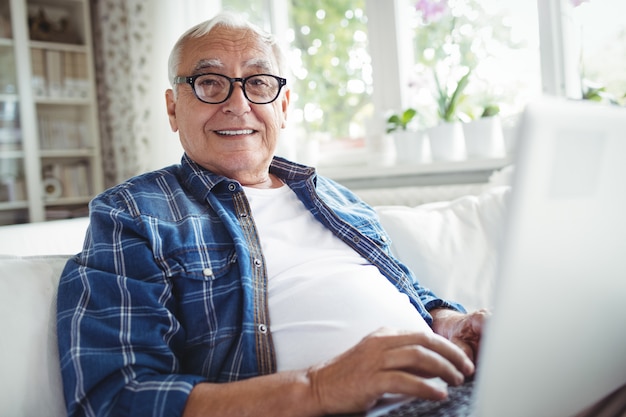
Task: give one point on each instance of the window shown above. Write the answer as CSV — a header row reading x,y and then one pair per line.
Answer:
x,y
332,67
331,81
257,11
354,61
600,25
494,43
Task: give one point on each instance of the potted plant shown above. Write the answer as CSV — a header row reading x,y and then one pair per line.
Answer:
x,y
448,103
400,121
484,137
597,92
408,142
447,141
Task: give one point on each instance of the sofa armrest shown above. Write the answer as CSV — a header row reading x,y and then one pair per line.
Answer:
x,y
44,238
30,381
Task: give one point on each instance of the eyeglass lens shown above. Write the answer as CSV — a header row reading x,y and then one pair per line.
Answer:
x,y
215,88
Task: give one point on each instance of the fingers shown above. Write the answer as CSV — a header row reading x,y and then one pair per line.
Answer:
x,y
389,362
476,321
469,333
464,330
428,355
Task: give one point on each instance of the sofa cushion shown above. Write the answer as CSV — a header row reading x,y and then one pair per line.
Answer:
x,y
451,246
31,377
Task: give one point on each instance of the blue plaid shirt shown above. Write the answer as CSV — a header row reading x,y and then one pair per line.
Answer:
x,y
171,288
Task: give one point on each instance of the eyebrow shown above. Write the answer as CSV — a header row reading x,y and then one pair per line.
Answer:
x,y
261,64
209,64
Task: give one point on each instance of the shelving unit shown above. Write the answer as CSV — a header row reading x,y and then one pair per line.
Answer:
x,y
50,163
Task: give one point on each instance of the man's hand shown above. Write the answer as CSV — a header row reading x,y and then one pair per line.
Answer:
x,y
464,330
388,362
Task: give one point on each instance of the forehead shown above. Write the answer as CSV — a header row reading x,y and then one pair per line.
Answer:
x,y
228,49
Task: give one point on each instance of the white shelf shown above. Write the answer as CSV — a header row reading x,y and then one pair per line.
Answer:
x,y
64,47
13,205
67,153
11,154
64,201
64,101
9,97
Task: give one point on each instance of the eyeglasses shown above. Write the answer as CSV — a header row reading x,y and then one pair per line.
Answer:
x,y
216,88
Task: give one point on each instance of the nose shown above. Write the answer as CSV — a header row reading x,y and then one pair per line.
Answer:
x,y
237,103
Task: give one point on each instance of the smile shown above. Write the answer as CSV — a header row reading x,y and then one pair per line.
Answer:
x,y
235,132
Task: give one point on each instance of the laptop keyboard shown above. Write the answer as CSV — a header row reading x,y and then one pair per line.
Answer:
x,y
458,404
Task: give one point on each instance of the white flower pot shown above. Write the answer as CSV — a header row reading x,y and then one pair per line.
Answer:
x,y
484,138
409,146
383,150
447,142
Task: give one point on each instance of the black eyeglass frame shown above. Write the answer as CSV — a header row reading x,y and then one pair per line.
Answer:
x,y
191,80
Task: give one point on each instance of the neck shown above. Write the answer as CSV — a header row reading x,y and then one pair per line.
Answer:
x,y
268,181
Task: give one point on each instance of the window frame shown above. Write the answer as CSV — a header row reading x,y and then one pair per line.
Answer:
x,y
559,49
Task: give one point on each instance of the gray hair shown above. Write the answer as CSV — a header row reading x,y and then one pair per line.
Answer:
x,y
229,20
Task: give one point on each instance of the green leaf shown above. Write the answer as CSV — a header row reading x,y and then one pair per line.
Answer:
x,y
456,97
397,122
447,105
490,110
394,119
407,116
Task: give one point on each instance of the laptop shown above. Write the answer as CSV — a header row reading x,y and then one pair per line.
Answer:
x,y
556,342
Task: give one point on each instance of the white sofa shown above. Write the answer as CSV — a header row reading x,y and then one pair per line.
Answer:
x,y
450,246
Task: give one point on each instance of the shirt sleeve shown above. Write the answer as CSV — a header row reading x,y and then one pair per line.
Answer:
x,y
429,300
119,339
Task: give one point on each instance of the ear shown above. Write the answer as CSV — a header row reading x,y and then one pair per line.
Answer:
x,y
170,102
285,105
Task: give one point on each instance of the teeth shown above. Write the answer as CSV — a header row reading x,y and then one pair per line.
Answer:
x,y
235,132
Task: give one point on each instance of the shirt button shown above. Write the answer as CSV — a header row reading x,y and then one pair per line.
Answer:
x,y
207,272
262,328
383,238
232,187
258,262
243,215
356,239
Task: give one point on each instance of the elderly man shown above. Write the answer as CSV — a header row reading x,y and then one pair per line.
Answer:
x,y
239,283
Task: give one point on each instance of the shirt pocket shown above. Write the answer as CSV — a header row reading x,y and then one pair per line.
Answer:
x,y
208,299
207,263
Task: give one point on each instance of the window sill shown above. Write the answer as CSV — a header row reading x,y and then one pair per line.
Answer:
x,y
369,175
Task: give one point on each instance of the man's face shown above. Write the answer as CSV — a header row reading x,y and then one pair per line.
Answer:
x,y
236,138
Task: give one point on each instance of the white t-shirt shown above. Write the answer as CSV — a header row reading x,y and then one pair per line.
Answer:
x,y
323,296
